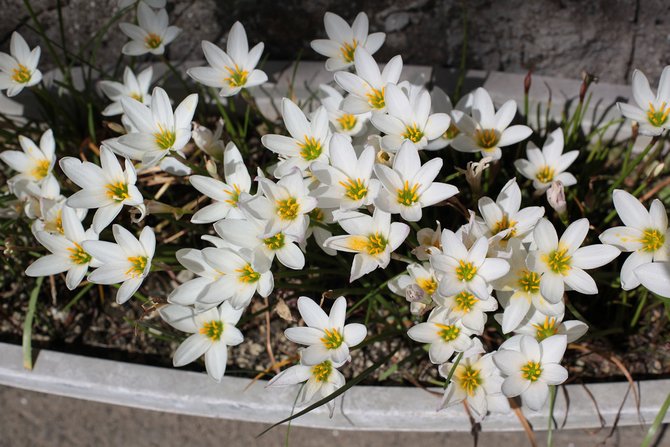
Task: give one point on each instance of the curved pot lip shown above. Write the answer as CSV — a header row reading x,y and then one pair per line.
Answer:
x,y
362,408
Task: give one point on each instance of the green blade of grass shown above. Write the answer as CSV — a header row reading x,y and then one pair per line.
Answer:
x,y
651,433
28,325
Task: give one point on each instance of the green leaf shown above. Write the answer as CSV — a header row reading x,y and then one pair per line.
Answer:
x,y
28,325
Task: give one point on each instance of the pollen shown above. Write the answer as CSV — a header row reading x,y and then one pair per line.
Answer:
x,y
234,194
558,261
545,174
322,371
465,271
658,117
348,49
376,244
465,301
78,255
413,133
117,191
153,41
310,148
487,138
354,189
347,121
376,98
137,266
546,329
41,169
407,195
451,132
652,240
447,332
212,330
137,97
248,275
275,242
427,284
165,138
237,77
505,224
288,209
21,74
529,282
469,379
531,371
333,339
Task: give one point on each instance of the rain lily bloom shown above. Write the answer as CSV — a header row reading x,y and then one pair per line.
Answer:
x,y
233,69
343,40
466,270
470,310
486,131
136,87
409,119
343,122
208,141
418,286
317,218
326,336
347,181
127,262
655,276
372,238
34,164
212,332
477,381
543,326
67,254
562,262
649,111
645,234
152,34
408,186
532,368
106,187
444,333
442,104
428,240
19,68
50,217
368,86
308,141
548,165
157,130
225,195
200,286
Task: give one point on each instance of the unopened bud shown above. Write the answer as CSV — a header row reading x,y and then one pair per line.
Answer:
x,y
556,198
210,166
587,80
527,82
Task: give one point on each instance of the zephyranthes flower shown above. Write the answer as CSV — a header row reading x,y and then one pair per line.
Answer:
x,y
19,69
152,34
649,111
34,164
444,333
136,87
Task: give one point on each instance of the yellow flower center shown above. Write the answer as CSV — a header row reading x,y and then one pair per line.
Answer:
x,y
354,189
41,169
137,97
165,138
78,255
275,242
531,371
447,332
310,148
465,301
529,282
234,195
558,261
288,209
237,78
376,244
505,224
465,271
545,174
469,379
347,121
658,117
248,275
153,41
348,49
118,191
451,132
546,329
212,330
55,225
427,284
407,196
376,98
21,74
137,266
322,371
487,138
333,339
413,133
652,240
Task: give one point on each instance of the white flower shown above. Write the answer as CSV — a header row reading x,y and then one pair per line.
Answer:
x,y
307,144
212,332
319,217
66,250
468,309
19,68
655,276
136,87
343,40
199,287
233,69
157,130
418,286
442,104
562,262
445,335
649,111
343,122
128,261
532,368
50,217
645,234
326,336
428,240
34,164
208,141
409,186
486,131
368,85
545,166
347,182
225,195
409,119
542,326
152,34
466,270
107,187
372,238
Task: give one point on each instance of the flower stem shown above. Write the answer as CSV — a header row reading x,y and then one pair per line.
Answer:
x,y
627,170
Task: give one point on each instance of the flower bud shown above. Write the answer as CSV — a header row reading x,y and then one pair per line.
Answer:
x,y
527,82
556,198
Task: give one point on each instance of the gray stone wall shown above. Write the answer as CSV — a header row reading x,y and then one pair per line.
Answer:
x,y
554,37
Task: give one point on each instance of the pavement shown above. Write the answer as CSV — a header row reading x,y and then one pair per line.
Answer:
x,y
34,419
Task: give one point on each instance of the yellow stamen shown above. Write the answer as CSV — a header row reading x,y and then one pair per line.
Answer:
x,y
212,330
451,132
118,191
137,266
310,148
407,196
546,329
234,195
465,301
376,244
487,138
322,371
465,271
78,255
658,117
164,138
545,174
413,133
558,261
447,332
376,98
348,49
248,275
275,242
505,224
237,78
21,74
427,284
469,379
347,121
531,371
652,240
333,339
153,41
41,169
529,282
354,189
288,209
